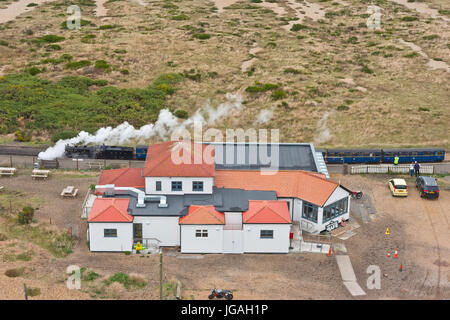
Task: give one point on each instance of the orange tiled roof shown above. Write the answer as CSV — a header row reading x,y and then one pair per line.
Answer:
x,y
110,210
263,211
159,161
203,215
304,185
126,177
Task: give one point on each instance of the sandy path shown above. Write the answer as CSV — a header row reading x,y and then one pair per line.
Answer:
x,y
432,64
100,10
421,8
15,9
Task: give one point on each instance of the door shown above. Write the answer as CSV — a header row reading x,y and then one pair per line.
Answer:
x,y
137,232
233,241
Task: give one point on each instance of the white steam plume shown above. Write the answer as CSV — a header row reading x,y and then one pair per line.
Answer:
x,y
264,115
166,124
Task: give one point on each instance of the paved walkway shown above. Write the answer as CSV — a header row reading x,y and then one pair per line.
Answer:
x,y
348,275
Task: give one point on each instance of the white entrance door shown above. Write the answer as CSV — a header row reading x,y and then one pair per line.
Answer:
x,y
233,241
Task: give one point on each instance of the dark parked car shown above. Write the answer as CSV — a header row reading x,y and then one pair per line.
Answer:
x,y
427,187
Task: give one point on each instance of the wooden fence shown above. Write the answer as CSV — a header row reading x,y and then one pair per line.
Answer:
x,y
388,168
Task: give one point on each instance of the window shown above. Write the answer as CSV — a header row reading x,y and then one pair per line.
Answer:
x,y
335,210
309,211
197,185
177,186
201,233
266,234
110,233
158,185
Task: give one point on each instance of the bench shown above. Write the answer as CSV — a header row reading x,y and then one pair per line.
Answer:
x,y
40,174
70,191
7,171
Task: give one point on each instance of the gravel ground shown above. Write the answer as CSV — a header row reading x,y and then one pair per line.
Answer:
x,y
419,229
416,227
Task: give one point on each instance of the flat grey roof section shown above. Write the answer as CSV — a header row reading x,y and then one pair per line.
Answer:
x,y
223,199
251,156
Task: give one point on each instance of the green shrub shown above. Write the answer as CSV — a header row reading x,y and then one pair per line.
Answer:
x,y
409,18
201,36
278,94
32,4
49,38
23,257
22,136
63,135
106,27
33,70
431,37
342,108
180,17
14,273
127,281
298,27
292,70
259,87
89,38
411,55
53,47
366,69
4,43
51,107
77,64
26,215
103,65
32,292
180,113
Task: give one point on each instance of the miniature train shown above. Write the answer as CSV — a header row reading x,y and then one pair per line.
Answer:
x,y
331,156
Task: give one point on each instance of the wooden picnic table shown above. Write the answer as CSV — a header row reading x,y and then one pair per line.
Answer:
x,y
7,171
69,191
40,174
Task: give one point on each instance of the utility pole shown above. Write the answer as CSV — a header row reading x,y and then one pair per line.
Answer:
x,y
160,274
25,291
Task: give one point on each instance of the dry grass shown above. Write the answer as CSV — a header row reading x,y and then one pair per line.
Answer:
x,y
384,112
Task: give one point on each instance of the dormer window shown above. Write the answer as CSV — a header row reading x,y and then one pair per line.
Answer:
x,y
177,186
197,186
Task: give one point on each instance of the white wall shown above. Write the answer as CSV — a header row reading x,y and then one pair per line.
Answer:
x,y
166,185
254,243
338,194
290,202
123,242
297,210
191,244
165,229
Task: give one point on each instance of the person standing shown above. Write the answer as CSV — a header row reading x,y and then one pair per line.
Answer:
x,y
411,169
417,168
396,159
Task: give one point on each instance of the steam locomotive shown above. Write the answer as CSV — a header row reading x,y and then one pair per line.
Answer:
x,y
99,152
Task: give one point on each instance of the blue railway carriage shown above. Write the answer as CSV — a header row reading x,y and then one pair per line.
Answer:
x,y
141,152
411,155
353,156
